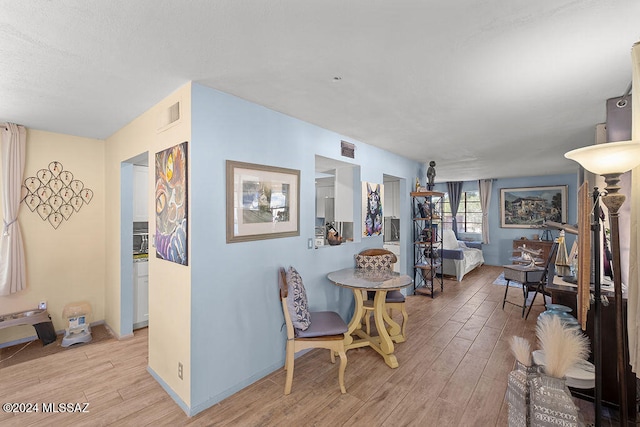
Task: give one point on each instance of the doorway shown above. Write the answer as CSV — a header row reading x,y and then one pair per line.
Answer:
x,y
134,220
392,218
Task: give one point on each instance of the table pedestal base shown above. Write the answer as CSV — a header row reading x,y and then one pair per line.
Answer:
x,y
388,329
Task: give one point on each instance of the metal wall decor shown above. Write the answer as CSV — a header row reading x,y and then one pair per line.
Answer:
x,y
55,194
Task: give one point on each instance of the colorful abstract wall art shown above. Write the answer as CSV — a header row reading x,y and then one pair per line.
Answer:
x,y
171,204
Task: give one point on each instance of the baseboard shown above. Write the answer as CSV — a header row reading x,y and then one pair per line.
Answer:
x,y
206,404
196,409
118,336
170,392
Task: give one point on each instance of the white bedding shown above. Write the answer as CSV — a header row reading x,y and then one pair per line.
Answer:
x,y
459,267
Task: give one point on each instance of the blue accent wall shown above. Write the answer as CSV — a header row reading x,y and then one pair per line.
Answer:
x,y
236,316
498,251
237,330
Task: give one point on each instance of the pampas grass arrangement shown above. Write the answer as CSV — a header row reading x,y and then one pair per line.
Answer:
x,y
521,349
562,347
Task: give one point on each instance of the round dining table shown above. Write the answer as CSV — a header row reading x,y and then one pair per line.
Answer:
x,y
360,280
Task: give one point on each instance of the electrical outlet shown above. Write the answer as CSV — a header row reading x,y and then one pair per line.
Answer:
x,y
179,370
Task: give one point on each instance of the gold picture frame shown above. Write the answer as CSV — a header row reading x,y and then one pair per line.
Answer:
x,y
263,202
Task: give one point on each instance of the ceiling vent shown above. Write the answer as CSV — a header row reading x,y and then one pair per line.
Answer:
x,y
168,117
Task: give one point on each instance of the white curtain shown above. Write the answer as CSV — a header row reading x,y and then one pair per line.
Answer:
x,y
633,311
485,200
12,261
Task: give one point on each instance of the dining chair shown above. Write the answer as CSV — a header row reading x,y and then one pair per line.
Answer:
x,y
377,259
539,288
308,329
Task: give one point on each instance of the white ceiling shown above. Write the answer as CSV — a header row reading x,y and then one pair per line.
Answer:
x,y
494,88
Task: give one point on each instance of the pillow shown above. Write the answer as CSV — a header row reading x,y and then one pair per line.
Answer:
x,y
374,262
449,240
297,301
462,244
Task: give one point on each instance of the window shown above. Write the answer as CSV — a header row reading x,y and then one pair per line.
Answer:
x,y
469,217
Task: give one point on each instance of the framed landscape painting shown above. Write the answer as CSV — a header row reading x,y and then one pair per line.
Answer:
x,y
530,207
263,202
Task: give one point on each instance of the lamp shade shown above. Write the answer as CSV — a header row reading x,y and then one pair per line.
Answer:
x,y
607,158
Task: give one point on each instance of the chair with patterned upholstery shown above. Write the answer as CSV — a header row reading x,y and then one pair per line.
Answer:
x,y
305,329
378,259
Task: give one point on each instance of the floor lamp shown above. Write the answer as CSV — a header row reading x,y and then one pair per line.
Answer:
x,y
612,160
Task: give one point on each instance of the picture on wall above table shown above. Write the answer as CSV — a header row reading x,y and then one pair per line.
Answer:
x,y
530,207
372,196
263,202
171,204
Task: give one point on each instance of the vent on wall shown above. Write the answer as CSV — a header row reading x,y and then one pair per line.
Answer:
x,y
168,116
347,149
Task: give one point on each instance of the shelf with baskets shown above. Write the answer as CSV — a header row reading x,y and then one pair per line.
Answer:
x,y
427,241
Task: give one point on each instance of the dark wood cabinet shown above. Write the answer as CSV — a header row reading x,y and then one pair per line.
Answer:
x,y
610,389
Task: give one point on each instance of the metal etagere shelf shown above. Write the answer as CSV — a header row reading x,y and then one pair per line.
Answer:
x,y
427,241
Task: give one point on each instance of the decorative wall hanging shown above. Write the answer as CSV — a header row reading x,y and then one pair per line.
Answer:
x,y
171,204
530,207
372,209
263,202
55,194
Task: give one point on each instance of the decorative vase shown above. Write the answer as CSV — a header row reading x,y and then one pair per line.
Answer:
x,y
551,403
518,394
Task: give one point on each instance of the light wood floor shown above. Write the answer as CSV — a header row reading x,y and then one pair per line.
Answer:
x,y
453,372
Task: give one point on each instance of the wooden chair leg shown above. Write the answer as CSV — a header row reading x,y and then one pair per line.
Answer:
x,y
333,355
367,321
286,355
343,366
288,366
405,318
